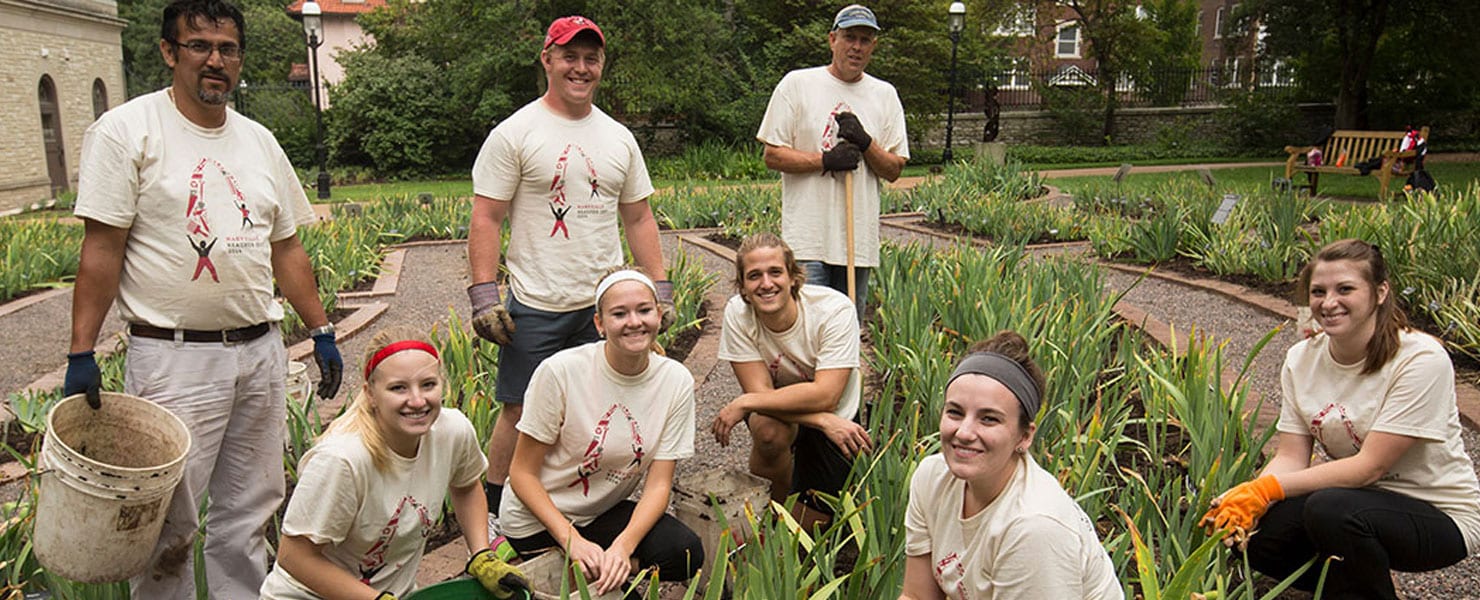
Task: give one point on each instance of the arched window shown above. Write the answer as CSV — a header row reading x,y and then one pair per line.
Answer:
x,y
100,98
51,133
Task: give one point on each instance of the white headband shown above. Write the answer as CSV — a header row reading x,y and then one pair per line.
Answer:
x,y
620,276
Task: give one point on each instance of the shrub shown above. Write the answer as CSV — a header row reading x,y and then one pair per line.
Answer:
x,y
391,114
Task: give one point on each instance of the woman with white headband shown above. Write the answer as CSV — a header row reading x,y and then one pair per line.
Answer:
x,y
371,489
984,520
597,418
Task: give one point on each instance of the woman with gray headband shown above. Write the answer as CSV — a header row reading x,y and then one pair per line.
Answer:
x,y
984,520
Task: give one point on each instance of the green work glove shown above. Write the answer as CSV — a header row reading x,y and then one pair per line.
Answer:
x,y
497,576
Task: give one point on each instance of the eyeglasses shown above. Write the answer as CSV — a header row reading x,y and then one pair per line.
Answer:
x,y
199,49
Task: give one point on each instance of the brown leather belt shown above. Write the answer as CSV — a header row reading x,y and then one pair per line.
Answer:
x,y
229,336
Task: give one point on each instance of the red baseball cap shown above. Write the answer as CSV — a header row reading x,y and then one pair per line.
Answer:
x,y
562,30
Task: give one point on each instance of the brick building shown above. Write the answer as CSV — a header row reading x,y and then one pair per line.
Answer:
x,y
61,64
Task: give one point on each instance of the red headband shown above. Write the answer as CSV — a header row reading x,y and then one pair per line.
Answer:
x,y
395,347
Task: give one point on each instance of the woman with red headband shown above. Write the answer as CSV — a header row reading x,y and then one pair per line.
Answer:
x,y
371,489
597,419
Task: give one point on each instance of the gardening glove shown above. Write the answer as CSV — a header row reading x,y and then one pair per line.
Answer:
x,y
665,303
83,377
1239,509
331,366
491,318
843,157
497,576
850,129
386,596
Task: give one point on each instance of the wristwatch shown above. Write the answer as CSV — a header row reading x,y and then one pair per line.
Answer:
x,y
329,328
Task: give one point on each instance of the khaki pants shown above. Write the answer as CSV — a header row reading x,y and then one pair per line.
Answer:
x,y
232,399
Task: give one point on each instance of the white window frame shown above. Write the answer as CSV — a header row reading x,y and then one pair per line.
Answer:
x,y
1058,40
1072,76
1218,24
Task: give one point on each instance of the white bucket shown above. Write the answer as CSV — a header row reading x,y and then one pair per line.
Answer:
x,y
107,477
299,385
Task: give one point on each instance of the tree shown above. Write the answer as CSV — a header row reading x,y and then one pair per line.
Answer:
x,y
1415,53
1112,32
1163,61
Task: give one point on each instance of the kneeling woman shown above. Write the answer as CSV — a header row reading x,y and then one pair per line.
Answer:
x,y
371,488
596,419
984,520
1392,487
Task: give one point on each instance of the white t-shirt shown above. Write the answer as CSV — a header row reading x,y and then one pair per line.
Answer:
x,y
605,429
563,179
376,523
202,207
825,336
1033,541
1412,395
800,117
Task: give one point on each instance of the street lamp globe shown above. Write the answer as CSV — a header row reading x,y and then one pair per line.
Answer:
x,y
957,20
313,22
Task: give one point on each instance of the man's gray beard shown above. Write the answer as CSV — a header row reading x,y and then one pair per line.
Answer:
x,y
214,98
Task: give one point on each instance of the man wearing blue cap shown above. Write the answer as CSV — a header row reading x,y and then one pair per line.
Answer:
x,y
831,120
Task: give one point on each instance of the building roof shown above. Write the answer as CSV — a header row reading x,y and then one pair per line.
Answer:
x,y
339,7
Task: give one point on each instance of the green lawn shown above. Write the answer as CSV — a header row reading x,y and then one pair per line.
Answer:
x,y
1244,180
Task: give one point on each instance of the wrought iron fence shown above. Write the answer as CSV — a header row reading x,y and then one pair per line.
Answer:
x,y
1022,89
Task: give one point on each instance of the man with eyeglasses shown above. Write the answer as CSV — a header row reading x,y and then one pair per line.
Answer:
x,y
566,176
170,181
824,122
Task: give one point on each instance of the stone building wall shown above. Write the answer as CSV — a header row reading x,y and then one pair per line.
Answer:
x,y
74,42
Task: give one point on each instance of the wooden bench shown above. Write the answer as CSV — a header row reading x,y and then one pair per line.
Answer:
x,y
1359,147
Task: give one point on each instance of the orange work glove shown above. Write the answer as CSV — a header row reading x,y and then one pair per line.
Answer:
x,y
1238,509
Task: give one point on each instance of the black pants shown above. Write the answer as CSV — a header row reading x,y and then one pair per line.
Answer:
x,y
670,546
1372,530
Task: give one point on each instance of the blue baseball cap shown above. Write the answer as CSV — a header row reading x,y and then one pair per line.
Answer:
x,y
855,15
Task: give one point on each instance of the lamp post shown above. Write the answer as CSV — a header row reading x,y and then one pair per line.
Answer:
x,y
313,27
956,21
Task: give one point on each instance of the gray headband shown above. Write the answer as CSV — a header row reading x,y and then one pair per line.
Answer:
x,y
1006,371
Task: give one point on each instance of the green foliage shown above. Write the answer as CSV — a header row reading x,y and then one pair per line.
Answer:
x,y
1078,113
712,160
729,207
389,113
36,253
1261,121
1162,62
989,201
1111,155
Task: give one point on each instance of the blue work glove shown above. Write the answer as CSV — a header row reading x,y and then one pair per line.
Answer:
x,y
665,304
331,366
84,377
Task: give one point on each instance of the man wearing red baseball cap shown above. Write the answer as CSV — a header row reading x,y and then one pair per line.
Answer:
x,y
565,175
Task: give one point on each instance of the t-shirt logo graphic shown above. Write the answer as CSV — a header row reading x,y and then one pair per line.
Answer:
x,y
591,464
374,559
197,229
949,570
1318,432
559,206
830,131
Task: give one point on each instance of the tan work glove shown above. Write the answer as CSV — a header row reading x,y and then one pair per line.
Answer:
x,y
497,576
665,304
490,318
